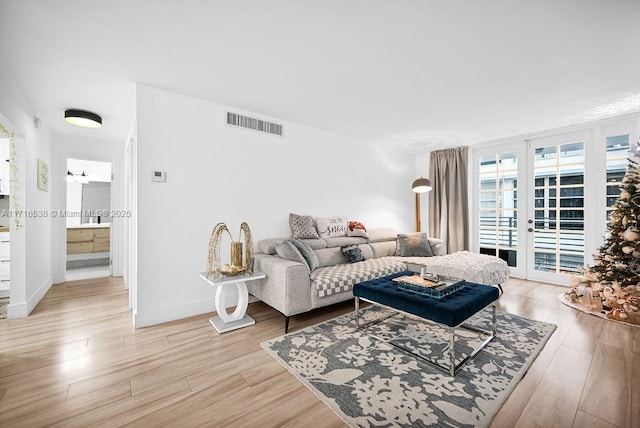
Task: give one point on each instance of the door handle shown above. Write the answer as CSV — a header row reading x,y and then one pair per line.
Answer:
x,y
530,229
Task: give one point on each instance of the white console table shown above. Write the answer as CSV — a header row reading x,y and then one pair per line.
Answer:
x,y
224,288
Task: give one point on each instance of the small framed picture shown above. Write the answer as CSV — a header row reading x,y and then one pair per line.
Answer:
x,y
43,175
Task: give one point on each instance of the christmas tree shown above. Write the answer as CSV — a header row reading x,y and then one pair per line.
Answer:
x,y
618,259
612,285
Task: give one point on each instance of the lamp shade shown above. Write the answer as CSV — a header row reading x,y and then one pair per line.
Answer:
x,y
83,118
421,185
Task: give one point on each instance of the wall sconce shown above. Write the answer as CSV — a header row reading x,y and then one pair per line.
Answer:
x,y
77,178
420,185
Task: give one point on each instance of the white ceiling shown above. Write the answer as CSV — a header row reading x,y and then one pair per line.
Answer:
x,y
417,74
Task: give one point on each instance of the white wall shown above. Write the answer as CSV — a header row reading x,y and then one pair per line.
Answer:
x,y
30,244
74,203
218,173
93,149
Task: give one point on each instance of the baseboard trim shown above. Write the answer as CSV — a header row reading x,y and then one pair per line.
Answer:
x,y
23,309
17,310
172,313
39,294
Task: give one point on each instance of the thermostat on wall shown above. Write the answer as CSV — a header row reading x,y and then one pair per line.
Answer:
x,y
159,176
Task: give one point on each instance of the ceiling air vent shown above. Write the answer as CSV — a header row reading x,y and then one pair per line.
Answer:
x,y
253,123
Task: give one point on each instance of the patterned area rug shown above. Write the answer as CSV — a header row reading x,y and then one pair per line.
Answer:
x,y
368,382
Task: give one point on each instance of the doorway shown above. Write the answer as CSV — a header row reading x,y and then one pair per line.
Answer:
x,y
88,219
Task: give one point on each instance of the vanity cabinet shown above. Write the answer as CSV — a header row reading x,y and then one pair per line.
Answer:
x,y
101,240
88,240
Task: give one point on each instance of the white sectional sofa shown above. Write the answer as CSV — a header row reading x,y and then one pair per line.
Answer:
x,y
291,288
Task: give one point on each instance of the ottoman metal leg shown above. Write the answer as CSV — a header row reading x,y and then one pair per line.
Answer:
x,y
452,352
452,368
494,321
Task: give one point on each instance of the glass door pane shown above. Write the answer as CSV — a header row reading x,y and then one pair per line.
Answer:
x,y
617,160
498,203
558,214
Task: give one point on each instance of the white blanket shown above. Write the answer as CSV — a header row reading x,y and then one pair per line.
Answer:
x,y
472,267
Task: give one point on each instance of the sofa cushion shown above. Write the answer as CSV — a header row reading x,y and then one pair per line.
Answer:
x,y
381,234
383,249
345,240
438,247
315,244
330,256
302,226
336,279
268,246
352,253
331,227
308,254
287,250
413,244
333,256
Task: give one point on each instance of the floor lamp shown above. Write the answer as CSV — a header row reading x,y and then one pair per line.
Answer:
x,y
421,185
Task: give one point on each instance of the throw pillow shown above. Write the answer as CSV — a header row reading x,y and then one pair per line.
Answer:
x,y
413,245
356,228
307,252
288,251
331,227
302,226
352,253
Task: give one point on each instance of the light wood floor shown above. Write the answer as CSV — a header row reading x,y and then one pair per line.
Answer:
x,y
77,361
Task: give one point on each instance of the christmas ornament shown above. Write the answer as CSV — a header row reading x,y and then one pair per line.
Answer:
x,y
631,235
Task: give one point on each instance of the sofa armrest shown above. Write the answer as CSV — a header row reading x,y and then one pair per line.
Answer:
x,y
438,246
286,286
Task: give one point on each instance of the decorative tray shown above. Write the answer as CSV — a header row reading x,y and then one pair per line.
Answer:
x,y
230,270
432,285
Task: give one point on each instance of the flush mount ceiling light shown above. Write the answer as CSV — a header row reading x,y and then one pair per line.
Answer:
x,y
83,118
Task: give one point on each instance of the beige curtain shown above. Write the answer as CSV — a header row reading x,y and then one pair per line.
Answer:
x,y
448,201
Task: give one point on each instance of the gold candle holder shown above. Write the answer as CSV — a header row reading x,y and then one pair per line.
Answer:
x,y
236,254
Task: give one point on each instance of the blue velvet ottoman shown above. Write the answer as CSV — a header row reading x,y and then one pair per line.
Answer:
x,y
450,311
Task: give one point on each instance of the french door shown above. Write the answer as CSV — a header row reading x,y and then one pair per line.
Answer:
x,y
541,204
557,214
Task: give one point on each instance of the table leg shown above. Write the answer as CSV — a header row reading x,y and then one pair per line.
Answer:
x,y
238,318
223,292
